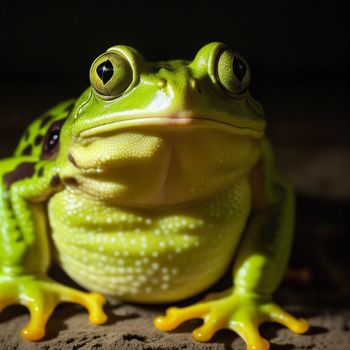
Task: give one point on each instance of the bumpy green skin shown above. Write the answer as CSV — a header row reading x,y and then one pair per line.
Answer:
x,y
145,184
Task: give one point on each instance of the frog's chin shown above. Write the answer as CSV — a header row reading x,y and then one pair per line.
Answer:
x,y
161,165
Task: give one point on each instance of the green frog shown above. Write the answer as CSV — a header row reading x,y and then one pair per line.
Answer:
x,y
144,188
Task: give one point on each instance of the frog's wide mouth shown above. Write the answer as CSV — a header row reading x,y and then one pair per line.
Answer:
x,y
169,122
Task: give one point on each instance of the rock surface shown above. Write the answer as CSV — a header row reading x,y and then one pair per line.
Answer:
x,y
130,327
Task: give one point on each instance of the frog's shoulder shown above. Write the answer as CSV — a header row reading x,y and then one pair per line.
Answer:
x,y
31,142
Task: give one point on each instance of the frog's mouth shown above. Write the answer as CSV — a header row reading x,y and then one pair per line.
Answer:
x,y
173,121
159,161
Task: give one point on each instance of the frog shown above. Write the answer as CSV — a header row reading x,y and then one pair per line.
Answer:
x,y
148,188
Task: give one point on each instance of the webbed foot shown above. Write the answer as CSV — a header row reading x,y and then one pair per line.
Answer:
x,y
241,313
41,295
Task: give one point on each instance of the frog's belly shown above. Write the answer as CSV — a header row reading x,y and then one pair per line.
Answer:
x,y
147,256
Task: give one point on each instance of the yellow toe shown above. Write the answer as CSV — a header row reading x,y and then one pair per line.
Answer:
x,y
98,318
298,326
208,329
261,345
164,323
32,334
276,314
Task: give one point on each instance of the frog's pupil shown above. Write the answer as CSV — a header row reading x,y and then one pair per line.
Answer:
x,y
53,138
239,68
105,71
51,141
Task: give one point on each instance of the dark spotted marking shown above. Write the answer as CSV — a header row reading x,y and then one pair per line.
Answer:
x,y
45,120
51,140
27,151
55,180
23,171
72,160
71,181
41,172
38,140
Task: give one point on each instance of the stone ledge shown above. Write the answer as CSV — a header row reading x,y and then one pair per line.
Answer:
x,y
130,327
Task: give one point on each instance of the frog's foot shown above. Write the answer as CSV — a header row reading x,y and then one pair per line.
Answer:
x,y
41,296
240,313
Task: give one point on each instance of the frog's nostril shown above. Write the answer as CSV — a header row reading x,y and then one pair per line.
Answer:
x,y
161,83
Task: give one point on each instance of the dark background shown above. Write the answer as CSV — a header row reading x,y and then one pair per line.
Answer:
x,y
286,41
299,55
298,52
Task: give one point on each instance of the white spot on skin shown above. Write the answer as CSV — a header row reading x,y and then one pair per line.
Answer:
x,y
136,284
155,266
142,278
164,286
120,261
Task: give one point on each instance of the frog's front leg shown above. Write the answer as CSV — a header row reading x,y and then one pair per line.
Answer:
x,y
24,253
258,270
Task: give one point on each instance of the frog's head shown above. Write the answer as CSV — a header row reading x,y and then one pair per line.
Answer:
x,y
162,133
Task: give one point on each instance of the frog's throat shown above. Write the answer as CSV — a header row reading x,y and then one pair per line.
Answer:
x,y
171,121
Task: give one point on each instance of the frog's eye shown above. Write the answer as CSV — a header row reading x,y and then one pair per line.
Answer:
x,y
111,74
51,141
232,73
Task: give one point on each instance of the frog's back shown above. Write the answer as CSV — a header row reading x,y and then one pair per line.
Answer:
x,y
33,138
